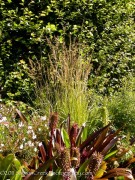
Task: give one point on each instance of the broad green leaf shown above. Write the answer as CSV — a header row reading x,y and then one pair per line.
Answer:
x,y
84,133
110,154
6,165
18,175
9,1
17,163
65,137
7,161
83,166
121,178
1,158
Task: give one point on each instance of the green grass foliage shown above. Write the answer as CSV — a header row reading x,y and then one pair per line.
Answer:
x,y
121,106
63,85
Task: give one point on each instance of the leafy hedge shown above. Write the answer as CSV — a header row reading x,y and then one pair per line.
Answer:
x,y
106,26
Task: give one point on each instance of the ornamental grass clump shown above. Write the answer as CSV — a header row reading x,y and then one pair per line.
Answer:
x,y
61,82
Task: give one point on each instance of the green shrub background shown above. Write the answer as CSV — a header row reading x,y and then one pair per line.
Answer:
x,y
106,26
121,106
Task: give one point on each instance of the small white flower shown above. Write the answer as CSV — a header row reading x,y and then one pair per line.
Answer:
x,y
40,144
43,118
24,139
29,131
2,145
34,136
21,146
130,152
3,119
35,149
20,124
30,127
6,124
31,144
39,129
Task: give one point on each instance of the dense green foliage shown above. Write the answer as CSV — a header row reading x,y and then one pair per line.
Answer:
x,y
121,106
10,167
106,26
76,58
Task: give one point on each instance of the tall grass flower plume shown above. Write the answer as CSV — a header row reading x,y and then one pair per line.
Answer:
x,y
61,81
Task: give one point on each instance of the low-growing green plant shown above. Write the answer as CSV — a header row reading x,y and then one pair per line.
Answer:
x,y
20,135
121,106
10,168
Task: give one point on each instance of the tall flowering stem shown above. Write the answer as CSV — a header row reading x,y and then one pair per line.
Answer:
x,y
52,125
65,163
73,134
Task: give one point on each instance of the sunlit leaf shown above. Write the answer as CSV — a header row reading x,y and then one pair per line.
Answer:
x,y
65,137
83,166
18,175
110,154
102,169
